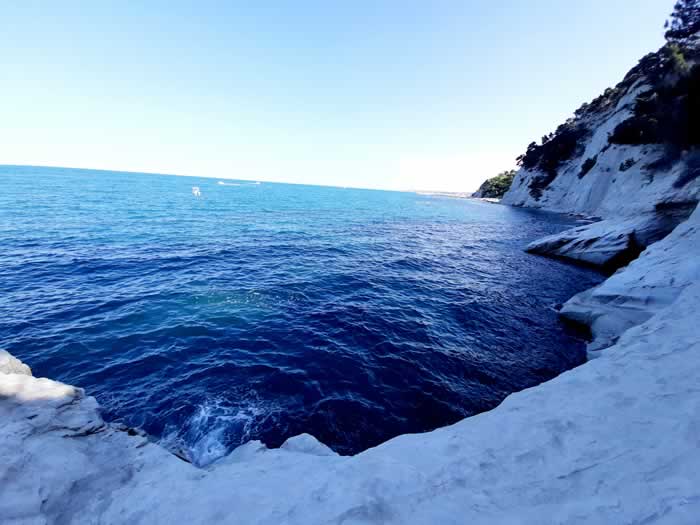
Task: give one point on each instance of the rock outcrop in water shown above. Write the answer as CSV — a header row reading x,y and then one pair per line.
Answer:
x,y
612,243
647,286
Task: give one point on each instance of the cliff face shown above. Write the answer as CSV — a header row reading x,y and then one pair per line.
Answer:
x,y
632,157
614,157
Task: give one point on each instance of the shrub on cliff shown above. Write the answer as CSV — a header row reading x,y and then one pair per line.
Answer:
x,y
496,187
684,22
587,166
638,129
627,164
675,56
668,114
556,148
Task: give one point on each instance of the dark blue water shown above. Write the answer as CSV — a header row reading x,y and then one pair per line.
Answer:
x,y
263,311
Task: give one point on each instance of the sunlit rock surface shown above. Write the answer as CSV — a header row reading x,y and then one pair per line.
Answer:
x,y
621,184
11,365
647,286
612,243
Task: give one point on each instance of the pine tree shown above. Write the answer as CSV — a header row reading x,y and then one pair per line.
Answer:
x,y
684,22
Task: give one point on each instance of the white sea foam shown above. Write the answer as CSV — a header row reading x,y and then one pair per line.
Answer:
x,y
203,438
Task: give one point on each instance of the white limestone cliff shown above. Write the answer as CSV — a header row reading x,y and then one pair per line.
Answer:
x,y
611,188
642,192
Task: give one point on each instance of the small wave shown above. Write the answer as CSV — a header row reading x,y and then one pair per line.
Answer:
x,y
214,429
222,183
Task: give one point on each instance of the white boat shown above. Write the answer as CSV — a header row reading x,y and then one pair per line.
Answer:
x,y
196,192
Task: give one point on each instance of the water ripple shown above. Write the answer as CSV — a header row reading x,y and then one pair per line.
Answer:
x,y
261,312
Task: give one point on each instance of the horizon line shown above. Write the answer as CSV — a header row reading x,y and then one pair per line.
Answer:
x,y
104,170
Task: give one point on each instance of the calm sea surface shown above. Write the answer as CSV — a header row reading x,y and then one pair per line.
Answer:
x,y
261,311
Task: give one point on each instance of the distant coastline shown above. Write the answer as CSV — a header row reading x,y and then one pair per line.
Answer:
x,y
458,195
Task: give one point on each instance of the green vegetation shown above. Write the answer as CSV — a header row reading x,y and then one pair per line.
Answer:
x,y
676,58
668,113
587,166
556,148
685,21
627,164
496,187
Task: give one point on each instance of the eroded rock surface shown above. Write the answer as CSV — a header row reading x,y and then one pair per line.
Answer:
x,y
612,243
647,286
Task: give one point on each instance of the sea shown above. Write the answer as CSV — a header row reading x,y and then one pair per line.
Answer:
x,y
211,312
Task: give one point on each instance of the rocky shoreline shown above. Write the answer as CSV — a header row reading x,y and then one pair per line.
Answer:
x,y
614,439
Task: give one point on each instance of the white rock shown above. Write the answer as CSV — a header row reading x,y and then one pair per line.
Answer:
x,y
606,190
307,444
11,365
610,243
648,285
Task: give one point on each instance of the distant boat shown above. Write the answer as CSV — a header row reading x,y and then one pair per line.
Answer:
x,y
196,192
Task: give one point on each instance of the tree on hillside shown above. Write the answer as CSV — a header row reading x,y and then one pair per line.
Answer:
x,y
496,187
684,22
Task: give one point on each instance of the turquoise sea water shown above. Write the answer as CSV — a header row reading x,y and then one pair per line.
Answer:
x,y
260,311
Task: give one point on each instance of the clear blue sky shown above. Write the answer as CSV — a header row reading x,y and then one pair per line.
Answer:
x,y
370,93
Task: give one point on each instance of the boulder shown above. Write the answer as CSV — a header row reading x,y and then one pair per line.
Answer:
x,y
611,244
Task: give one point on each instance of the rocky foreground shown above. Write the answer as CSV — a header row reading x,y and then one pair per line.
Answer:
x,y
616,440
